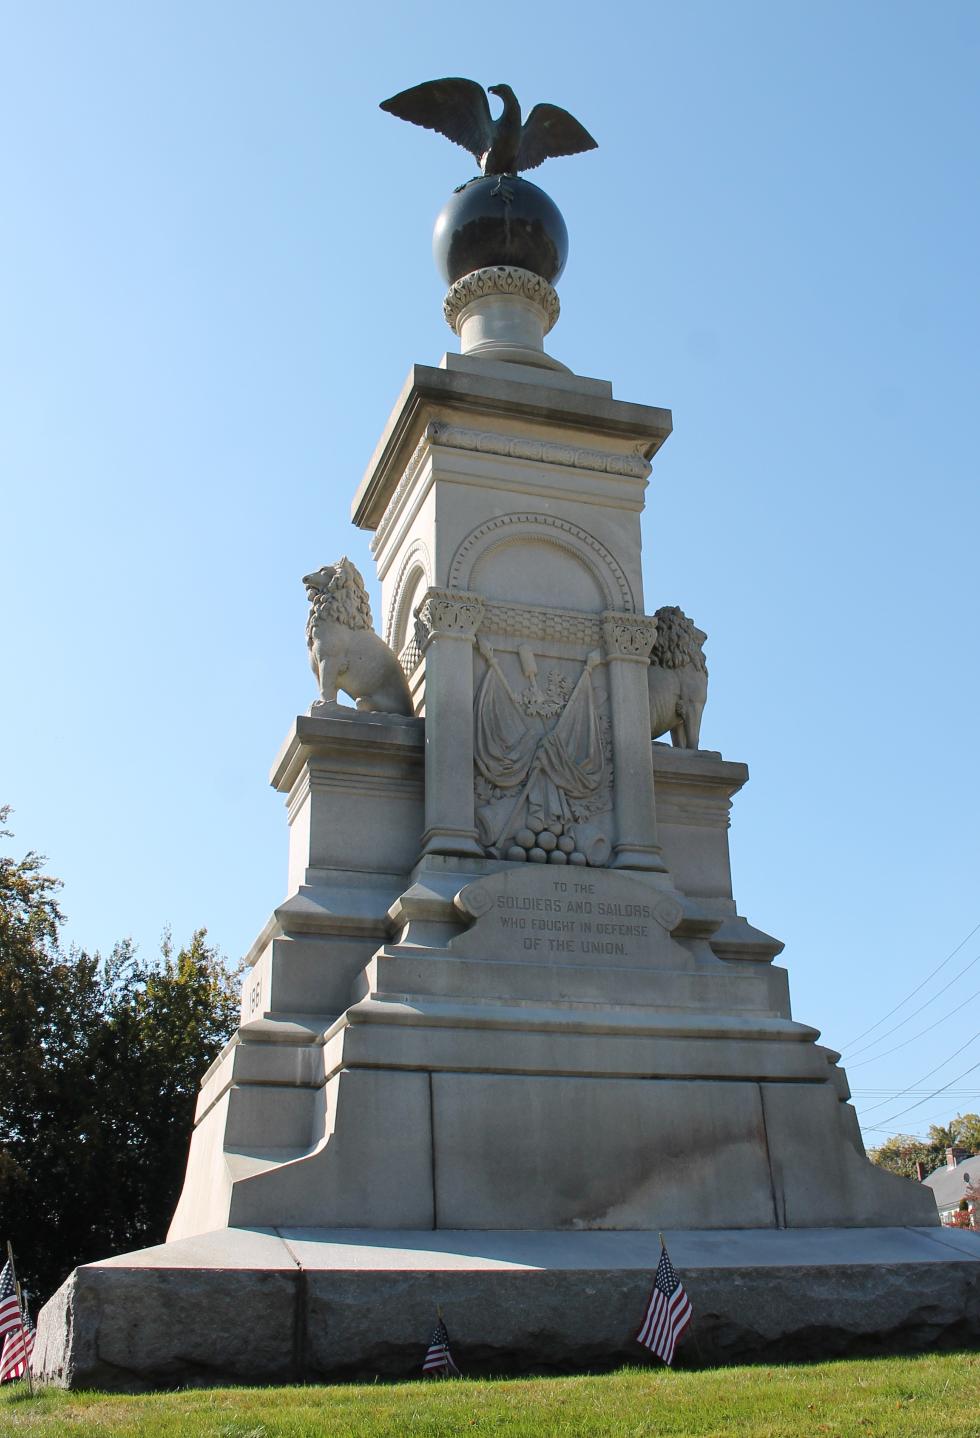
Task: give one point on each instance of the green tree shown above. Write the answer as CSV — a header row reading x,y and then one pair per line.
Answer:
x,y
963,1131
99,1066
902,1153
165,1022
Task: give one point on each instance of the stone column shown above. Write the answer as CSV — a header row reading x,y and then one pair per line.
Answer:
x,y
628,640
449,621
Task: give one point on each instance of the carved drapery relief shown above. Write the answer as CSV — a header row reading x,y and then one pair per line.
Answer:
x,y
601,564
628,636
543,763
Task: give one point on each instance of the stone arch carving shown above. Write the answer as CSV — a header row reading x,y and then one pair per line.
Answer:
x,y
416,561
607,573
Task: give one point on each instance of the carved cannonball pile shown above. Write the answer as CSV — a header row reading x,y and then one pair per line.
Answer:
x,y
549,845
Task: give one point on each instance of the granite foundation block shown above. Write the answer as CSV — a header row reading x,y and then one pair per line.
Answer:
x,y
313,1305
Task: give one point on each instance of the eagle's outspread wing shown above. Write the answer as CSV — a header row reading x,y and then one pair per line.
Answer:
x,y
550,130
457,108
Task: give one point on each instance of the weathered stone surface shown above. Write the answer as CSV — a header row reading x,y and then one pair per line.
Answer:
x,y
242,1305
819,1177
369,1162
620,1153
130,1328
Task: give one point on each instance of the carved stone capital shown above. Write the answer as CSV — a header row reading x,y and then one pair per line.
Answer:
x,y
628,636
501,280
452,613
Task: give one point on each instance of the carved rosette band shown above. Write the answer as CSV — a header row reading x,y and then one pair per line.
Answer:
x,y
600,461
478,441
447,613
628,636
501,280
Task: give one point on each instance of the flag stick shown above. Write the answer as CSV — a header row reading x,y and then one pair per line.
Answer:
x,y
661,1237
20,1310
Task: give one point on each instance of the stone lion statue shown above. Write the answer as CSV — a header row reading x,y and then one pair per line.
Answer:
x,y
678,678
345,652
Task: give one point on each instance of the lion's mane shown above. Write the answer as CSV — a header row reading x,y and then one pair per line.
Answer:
x,y
677,643
344,599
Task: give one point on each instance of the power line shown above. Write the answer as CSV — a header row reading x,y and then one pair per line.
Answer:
x,y
919,1035
883,1103
899,1093
922,1007
915,990
937,1092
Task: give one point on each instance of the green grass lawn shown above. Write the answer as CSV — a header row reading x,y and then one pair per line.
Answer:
x,y
936,1395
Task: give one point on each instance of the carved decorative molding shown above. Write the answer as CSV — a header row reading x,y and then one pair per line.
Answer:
x,y
500,280
537,451
541,451
561,532
411,657
447,612
415,557
522,621
408,474
525,621
628,636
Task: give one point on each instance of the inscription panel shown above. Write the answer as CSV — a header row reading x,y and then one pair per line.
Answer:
x,y
569,916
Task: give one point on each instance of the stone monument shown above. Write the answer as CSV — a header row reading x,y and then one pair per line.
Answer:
x,y
508,1023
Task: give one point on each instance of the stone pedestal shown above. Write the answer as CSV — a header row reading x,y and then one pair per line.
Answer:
x,y
508,1022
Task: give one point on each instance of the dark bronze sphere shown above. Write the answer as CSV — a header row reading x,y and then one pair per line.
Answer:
x,y
500,220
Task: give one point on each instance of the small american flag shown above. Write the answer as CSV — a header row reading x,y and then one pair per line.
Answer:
x,y
439,1360
9,1306
668,1313
17,1349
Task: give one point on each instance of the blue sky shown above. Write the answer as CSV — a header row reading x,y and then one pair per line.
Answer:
x,y
214,275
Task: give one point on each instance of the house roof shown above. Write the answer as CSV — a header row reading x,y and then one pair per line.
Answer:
x,y
950,1184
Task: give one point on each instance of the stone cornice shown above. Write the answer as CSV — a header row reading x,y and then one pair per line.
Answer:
x,y
386,740
478,397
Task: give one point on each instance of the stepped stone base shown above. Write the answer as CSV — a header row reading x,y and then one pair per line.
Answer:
x,y
305,1305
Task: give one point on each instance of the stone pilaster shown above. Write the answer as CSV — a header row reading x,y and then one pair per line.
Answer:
x,y
448,623
628,640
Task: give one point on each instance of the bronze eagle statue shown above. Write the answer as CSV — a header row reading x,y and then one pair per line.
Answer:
x,y
460,110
